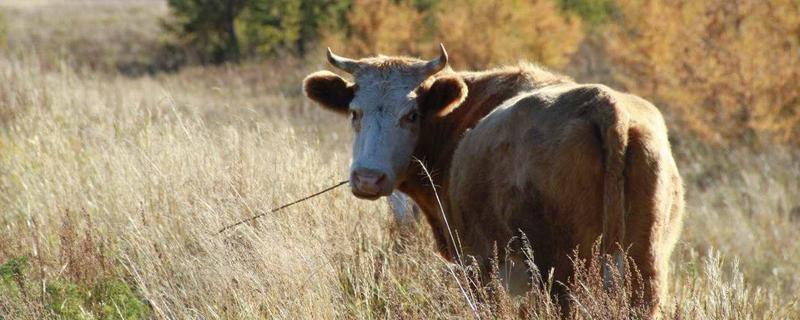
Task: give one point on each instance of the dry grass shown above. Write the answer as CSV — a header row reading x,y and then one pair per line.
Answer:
x,y
107,177
102,35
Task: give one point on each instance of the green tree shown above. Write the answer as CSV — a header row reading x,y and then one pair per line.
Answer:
x,y
208,27
272,25
224,30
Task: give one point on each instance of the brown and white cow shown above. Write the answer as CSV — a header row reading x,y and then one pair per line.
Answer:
x,y
513,149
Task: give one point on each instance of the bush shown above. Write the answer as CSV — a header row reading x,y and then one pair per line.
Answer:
x,y
726,71
381,26
592,12
480,33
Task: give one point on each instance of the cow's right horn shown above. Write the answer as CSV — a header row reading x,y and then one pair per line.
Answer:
x,y
346,64
437,64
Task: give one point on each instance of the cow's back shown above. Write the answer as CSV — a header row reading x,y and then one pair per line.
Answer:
x,y
536,164
510,173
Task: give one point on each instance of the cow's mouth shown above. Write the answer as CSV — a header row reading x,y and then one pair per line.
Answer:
x,y
366,196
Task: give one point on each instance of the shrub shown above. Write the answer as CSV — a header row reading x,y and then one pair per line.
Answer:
x,y
478,34
724,70
381,26
592,12
483,33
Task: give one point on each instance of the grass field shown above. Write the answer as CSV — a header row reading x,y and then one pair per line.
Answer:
x,y
112,189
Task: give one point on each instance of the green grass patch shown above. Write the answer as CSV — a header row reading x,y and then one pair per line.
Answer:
x,y
107,299
110,298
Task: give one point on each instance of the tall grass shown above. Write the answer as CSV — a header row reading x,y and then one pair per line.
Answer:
x,y
103,35
109,177
112,190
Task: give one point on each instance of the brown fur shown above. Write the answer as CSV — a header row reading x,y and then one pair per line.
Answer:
x,y
440,136
563,163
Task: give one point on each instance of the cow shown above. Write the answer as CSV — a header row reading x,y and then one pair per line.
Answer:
x,y
493,154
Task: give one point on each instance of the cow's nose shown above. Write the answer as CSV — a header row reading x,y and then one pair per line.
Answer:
x,y
368,182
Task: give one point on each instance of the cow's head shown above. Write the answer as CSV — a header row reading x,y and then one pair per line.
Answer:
x,y
389,104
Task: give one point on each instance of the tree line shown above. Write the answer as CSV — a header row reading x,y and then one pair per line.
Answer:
x,y
221,31
724,71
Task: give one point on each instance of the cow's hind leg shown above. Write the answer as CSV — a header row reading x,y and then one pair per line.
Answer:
x,y
649,198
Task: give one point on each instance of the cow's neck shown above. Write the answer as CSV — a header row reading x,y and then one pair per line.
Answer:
x,y
439,139
435,150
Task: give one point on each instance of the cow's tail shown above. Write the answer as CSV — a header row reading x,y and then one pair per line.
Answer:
x,y
614,124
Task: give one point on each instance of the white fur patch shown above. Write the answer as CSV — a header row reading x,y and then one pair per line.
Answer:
x,y
403,208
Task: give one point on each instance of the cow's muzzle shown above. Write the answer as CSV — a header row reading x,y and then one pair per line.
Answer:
x,y
369,184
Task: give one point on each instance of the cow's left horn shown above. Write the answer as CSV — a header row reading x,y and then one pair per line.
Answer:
x,y
437,64
346,64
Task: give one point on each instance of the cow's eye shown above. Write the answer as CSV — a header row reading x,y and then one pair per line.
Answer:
x,y
355,120
411,117
355,115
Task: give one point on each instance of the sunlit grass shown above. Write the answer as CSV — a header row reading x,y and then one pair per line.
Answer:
x,y
112,190
105,177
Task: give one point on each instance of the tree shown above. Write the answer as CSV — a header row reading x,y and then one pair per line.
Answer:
x,y
483,33
272,25
725,70
208,27
223,30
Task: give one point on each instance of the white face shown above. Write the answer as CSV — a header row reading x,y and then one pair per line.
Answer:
x,y
386,124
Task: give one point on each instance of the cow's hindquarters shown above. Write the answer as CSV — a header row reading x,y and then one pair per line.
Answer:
x,y
654,196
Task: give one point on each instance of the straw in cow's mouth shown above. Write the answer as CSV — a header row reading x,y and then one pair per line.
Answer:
x,y
282,207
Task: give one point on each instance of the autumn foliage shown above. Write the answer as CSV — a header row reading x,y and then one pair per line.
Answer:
x,y
478,34
722,71
725,70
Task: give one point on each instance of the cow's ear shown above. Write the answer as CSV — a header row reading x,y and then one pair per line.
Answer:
x,y
329,90
443,96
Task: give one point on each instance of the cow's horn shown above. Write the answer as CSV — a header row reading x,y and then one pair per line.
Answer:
x,y
346,64
437,64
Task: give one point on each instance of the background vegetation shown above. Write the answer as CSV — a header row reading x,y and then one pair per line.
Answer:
x,y
131,131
